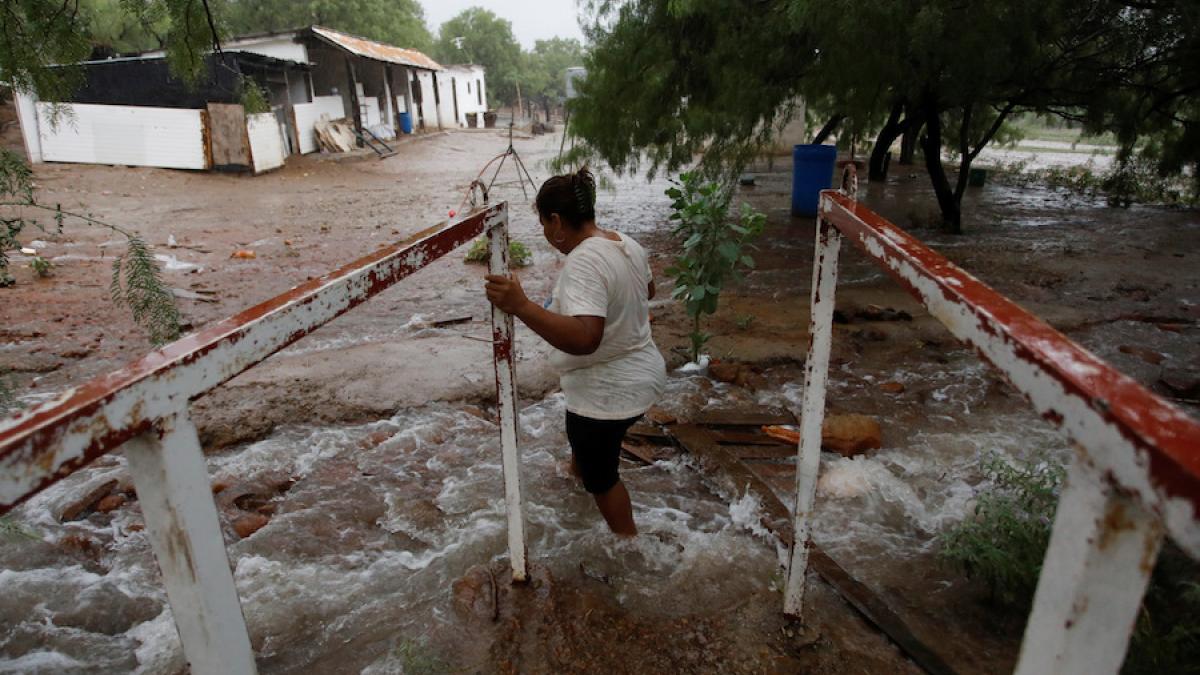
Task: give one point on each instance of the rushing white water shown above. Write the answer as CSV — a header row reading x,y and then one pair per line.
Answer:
x,y
366,543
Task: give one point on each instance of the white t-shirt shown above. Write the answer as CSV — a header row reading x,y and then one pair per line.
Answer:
x,y
626,374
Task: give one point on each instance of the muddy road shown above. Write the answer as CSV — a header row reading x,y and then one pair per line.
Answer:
x,y
368,453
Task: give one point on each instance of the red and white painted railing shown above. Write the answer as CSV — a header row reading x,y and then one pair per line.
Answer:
x,y
1136,471
143,409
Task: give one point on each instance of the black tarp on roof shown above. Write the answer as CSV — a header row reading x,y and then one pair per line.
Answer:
x,y
147,81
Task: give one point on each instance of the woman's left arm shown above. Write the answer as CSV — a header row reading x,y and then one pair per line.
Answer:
x,y
577,335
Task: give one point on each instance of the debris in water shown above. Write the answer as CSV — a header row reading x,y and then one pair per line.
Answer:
x,y
244,254
847,435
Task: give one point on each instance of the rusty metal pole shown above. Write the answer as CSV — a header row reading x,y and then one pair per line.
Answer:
x,y
181,523
812,415
1101,554
506,389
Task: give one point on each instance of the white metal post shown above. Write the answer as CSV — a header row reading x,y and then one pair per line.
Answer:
x,y
181,522
1102,551
812,415
506,389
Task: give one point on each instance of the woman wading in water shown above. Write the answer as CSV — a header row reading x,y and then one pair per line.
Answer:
x,y
598,321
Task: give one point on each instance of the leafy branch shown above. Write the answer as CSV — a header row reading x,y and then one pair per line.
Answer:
x,y
136,280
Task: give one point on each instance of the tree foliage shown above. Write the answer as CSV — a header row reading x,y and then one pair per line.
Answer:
x,y
668,79
397,22
543,76
478,36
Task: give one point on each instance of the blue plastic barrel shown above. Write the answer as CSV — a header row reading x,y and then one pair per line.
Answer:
x,y
406,122
812,171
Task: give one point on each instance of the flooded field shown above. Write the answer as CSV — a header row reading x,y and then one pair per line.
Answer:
x,y
370,452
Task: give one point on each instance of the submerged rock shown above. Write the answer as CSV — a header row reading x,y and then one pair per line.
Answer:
x,y
1148,355
249,523
850,435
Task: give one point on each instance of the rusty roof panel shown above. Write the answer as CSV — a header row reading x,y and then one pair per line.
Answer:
x,y
376,50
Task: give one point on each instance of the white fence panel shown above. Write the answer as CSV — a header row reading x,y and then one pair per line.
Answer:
x,y
307,115
266,142
171,138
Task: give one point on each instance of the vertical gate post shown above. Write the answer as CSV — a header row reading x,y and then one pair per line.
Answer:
x,y
506,389
181,522
1102,551
812,415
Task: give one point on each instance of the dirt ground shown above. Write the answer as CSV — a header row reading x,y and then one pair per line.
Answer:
x,y
1125,283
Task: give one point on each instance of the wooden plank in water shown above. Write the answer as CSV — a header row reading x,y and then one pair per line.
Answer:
x,y
745,417
735,478
761,451
742,437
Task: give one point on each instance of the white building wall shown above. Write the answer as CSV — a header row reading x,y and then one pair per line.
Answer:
x,y
472,92
446,100
428,105
171,138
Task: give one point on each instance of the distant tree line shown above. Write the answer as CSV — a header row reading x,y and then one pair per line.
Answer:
x,y
473,36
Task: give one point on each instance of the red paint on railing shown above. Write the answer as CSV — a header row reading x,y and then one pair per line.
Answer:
x,y
1170,438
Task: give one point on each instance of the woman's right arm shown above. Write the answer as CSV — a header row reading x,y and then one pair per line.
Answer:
x,y
577,335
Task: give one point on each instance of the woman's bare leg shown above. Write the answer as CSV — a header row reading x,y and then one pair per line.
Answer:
x,y
614,505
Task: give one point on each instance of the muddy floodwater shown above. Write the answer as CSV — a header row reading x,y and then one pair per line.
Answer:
x,y
370,451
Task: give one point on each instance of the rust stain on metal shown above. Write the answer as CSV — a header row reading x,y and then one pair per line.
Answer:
x,y
34,438
1116,522
1170,439
376,50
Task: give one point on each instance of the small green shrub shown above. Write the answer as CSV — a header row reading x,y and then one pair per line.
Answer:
x,y
8,398
1004,541
713,247
743,322
10,529
41,266
252,96
518,253
1134,181
416,658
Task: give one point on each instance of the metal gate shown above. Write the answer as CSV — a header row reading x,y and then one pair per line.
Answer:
x,y
1134,478
143,409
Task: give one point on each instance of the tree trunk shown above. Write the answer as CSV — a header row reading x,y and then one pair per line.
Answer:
x,y
878,167
931,146
830,127
912,132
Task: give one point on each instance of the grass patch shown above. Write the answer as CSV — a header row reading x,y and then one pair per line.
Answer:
x,y
518,253
1004,541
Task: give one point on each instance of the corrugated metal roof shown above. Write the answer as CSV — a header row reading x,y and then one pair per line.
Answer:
x,y
376,50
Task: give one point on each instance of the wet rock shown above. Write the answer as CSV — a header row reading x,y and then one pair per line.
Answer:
x,y
869,334
75,353
659,416
1148,355
80,507
850,435
877,313
475,594
110,503
476,411
1181,383
249,523
375,439
724,372
893,387
737,374
81,544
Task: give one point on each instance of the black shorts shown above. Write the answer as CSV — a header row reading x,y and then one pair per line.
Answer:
x,y
596,447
